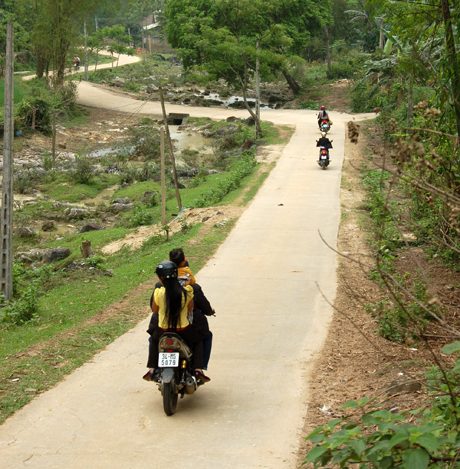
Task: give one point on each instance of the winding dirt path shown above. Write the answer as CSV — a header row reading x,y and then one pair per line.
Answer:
x,y
271,319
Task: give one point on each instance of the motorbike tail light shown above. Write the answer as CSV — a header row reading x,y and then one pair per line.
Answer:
x,y
323,152
324,122
169,341
169,351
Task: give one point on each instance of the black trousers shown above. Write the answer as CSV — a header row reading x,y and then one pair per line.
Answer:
x,y
193,337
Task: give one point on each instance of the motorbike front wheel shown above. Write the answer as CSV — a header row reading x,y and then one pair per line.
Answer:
x,y
169,398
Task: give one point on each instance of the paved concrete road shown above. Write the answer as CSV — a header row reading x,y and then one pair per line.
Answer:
x,y
270,320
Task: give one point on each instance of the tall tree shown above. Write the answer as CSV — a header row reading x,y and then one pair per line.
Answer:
x,y
227,38
56,31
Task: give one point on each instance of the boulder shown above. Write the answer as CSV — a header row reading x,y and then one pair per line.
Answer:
x,y
55,254
48,226
120,207
121,200
76,213
91,227
25,232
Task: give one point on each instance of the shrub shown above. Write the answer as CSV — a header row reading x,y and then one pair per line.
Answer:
x,y
37,111
83,170
141,216
25,308
244,167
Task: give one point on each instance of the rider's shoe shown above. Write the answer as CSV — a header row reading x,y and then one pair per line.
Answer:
x,y
201,376
152,375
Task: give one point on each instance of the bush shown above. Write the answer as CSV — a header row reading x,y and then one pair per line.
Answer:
x,y
244,167
25,308
141,216
83,170
41,108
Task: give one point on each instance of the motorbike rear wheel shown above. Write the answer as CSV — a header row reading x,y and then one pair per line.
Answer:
x,y
169,398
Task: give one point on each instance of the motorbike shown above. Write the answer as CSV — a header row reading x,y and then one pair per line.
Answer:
x,y
176,375
323,157
76,66
325,126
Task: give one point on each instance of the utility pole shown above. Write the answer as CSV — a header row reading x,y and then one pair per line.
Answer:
x,y
86,53
7,184
163,182
257,91
171,148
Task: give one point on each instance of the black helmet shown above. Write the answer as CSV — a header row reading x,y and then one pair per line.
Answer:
x,y
166,269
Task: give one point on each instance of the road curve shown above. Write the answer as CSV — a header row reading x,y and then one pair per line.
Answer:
x,y
271,320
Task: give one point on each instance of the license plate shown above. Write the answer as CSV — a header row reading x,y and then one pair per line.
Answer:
x,y
168,360
324,157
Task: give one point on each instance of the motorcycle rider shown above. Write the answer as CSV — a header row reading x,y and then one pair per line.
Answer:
x,y
201,305
323,115
76,62
324,141
173,303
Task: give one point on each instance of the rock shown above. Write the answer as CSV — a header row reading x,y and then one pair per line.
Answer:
x,y
62,205
25,232
232,119
172,185
120,207
151,88
55,254
248,144
91,227
121,200
48,226
249,121
403,386
117,81
76,213
205,219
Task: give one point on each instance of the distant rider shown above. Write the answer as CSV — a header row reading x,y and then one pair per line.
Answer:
x,y
324,142
76,62
323,115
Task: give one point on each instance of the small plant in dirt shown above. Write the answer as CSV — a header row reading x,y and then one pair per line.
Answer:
x,y
83,171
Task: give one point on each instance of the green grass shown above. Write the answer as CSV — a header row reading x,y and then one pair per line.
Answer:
x,y
20,90
60,187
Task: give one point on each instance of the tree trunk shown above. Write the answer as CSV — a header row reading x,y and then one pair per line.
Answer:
x,y
86,250
295,87
328,52
454,66
253,114
410,100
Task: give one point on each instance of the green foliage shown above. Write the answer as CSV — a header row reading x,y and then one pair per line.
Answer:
x,y
380,438
37,111
28,285
141,216
83,170
243,167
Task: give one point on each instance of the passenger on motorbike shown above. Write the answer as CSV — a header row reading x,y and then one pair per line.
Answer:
x,y
323,115
201,305
174,303
178,257
324,141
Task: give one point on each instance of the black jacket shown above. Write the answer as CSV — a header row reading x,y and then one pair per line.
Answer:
x,y
324,142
